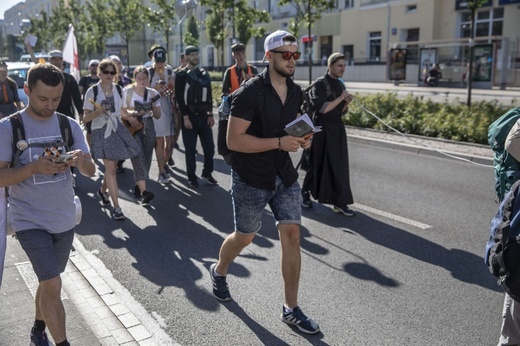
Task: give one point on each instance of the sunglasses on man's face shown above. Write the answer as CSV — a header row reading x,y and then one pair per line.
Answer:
x,y
113,73
288,55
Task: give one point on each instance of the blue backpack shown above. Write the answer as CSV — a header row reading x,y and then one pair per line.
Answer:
x,y
502,254
507,169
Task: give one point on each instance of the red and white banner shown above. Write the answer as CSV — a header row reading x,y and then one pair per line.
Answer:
x,y
70,53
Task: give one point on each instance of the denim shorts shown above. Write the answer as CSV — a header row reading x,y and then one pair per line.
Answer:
x,y
249,203
47,252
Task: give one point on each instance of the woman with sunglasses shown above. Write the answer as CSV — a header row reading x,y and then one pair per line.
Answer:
x,y
111,141
141,105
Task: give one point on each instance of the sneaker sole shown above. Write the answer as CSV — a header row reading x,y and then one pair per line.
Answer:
x,y
343,213
298,326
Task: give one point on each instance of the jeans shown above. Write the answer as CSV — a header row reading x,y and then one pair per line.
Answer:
x,y
201,129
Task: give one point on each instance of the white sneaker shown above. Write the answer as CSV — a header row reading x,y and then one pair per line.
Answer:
x,y
163,179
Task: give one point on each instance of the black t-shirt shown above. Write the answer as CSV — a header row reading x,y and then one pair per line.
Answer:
x,y
86,82
260,169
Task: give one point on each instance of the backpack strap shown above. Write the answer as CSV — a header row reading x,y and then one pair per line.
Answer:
x,y
19,135
119,90
95,91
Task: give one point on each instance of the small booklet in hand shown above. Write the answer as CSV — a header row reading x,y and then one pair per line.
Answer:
x,y
301,127
145,106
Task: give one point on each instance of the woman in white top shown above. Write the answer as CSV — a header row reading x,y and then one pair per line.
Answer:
x,y
111,141
141,105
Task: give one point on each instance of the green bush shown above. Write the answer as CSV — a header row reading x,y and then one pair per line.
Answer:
x,y
414,115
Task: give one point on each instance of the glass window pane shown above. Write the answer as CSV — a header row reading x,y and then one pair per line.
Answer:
x,y
496,28
498,13
464,30
482,29
465,17
483,15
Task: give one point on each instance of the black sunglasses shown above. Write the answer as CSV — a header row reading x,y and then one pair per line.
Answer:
x,y
113,73
288,55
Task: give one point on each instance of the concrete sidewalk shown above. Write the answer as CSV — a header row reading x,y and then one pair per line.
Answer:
x,y
95,315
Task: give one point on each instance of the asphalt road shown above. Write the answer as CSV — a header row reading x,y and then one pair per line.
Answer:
x,y
407,269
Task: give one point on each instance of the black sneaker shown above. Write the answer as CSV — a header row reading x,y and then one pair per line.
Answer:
x,y
137,192
147,197
209,178
345,210
193,183
171,163
306,202
297,318
104,197
220,286
117,214
39,338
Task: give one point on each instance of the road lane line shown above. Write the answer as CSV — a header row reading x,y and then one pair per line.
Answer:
x,y
392,216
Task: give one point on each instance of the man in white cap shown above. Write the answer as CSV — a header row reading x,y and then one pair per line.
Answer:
x,y
263,173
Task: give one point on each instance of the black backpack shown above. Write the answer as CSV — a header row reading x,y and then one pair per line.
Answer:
x,y
197,92
222,147
19,135
306,105
503,247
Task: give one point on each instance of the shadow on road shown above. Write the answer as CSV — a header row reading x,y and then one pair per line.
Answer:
x,y
462,265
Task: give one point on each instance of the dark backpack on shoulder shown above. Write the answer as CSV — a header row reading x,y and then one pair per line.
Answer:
x,y
307,105
503,247
224,109
19,135
197,92
506,167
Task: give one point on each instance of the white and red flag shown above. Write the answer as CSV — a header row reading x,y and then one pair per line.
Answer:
x,y
70,53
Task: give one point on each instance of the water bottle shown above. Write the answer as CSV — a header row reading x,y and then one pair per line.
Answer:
x,y
223,109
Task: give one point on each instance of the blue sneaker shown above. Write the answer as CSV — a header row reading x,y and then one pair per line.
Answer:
x,y
39,338
297,318
220,286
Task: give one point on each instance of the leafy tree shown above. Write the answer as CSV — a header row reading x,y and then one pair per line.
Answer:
x,y
161,19
307,13
40,27
127,19
226,15
473,6
93,37
192,34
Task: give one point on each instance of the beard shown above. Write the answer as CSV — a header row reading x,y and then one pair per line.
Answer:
x,y
282,72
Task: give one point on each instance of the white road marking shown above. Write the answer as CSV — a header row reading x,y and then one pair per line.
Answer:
x,y
391,216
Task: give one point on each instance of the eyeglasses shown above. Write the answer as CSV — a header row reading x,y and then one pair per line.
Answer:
x,y
113,73
94,65
288,55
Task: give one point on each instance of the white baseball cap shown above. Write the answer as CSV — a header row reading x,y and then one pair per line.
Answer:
x,y
277,39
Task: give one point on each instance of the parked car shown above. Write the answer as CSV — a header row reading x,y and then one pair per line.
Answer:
x,y
40,56
18,72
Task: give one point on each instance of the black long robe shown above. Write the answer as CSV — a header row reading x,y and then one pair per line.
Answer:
x,y
327,178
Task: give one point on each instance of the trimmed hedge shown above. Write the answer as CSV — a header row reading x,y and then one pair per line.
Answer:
x,y
415,115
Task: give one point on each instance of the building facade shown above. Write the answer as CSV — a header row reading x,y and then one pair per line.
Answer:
x,y
371,33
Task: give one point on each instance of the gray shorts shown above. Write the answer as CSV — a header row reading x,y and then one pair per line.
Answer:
x,y
47,252
249,203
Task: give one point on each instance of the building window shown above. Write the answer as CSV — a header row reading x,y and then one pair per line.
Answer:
x,y
325,47
374,46
412,55
487,23
411,8
348,4
348,51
